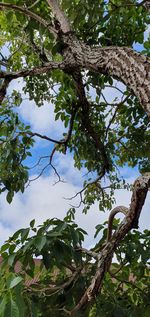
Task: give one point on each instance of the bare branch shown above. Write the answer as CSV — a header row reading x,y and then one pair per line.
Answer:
x,y
53,167
113,212
39,160
46,166
32,134
115,87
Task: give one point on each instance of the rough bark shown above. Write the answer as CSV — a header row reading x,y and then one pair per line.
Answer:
x,y
116,210
132,68
123,63
64,24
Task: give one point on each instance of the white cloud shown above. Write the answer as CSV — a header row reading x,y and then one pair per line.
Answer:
x,y
115,92
42,200
5,232
65,164
41,119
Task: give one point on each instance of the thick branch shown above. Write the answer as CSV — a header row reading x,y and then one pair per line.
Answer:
x,y
120,62
126,65
123,63
64,24
141,186
85,105
33,71
8,76
116,210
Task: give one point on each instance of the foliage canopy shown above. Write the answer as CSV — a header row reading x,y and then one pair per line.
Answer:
x,y
72,54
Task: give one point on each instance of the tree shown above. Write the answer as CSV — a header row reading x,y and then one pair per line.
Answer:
x,y
81,48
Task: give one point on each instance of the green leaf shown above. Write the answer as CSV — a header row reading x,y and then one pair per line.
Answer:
x,y
11,309
15,281
32,223
3,303
9,196
5,247
98,229
11,259
40,242
24,234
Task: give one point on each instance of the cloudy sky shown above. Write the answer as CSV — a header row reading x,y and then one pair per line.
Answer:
x,y
42,199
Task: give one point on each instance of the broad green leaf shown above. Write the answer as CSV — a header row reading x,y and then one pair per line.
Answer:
x,y
11,309
3,303
40,242
15,281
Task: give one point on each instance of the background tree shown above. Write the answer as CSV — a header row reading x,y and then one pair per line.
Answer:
x,y
67,53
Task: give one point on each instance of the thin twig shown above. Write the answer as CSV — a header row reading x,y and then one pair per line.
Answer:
x,y
45,137
87,185
34,4
114,115
88,252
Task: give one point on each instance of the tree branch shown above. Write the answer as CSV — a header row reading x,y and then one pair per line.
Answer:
x,y
123,63
3,88
33,4
85,106
34,71
114,115
28,13
53,289
66,140
141,186
62,20
45,137
87,252
126,65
